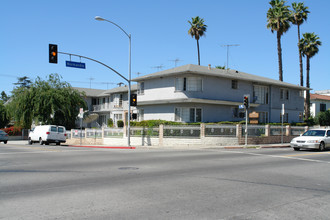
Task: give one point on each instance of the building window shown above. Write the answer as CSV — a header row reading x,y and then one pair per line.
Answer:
x,y
234,84
192,84
141,115
263,117
301,116
188,114
238,113
141,88
260,94
118,100
285,118
284,94
94,101
323,107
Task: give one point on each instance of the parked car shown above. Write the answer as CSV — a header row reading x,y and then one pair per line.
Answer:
x,y
3,137
46,134
312,139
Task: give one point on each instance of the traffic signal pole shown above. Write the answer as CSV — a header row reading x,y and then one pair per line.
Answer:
x,y
53,59
246,126
246,104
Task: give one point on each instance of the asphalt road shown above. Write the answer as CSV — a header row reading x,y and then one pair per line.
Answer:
x,y
58,182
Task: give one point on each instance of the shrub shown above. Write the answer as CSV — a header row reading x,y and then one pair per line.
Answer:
x,y
13,131
120,123
153,123
323,118
110,122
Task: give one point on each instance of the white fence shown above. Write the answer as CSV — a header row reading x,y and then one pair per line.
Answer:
x,y
211,134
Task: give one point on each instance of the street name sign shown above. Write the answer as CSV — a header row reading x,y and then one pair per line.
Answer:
x,y
76,64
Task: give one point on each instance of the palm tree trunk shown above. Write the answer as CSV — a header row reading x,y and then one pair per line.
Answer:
x,y
279,52
307,100
300,60
199,60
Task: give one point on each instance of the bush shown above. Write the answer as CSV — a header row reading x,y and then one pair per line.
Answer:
x,y
13,131
310,121
323,118
153,123
110,122
120,123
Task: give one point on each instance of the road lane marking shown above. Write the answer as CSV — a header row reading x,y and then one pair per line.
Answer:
x,y
294,155
283,157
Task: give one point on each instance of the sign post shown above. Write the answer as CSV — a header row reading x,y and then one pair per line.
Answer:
x,y
81,115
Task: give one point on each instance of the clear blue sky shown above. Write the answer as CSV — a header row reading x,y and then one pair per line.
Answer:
x,y
159,32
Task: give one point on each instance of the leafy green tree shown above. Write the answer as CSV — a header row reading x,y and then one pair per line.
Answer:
x,y
4,120
299,15
4,96
197,30
278,19
23,82
323,118
309,47
48,102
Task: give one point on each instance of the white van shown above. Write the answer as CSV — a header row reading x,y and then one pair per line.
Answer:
x,y
45,134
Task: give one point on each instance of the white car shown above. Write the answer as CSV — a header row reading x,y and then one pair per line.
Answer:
x,y
45,134
312,139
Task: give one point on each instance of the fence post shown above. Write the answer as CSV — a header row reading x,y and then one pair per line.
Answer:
x,y
202,130
102,136
161,135
239,130
288,130
85,134
125,130
71,131
267,130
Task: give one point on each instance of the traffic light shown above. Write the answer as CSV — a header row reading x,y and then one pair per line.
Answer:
x,y
246,102
52,53
133,100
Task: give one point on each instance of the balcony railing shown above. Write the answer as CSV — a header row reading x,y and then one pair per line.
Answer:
x,y
102,107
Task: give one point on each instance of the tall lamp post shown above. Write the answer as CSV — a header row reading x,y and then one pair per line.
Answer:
x,y
129,78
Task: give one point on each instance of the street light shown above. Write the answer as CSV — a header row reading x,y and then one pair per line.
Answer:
x,y
98,18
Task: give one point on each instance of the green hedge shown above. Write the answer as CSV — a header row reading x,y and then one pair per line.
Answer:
x,y
156,123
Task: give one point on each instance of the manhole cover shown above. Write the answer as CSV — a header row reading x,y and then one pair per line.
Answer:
x,y
128,168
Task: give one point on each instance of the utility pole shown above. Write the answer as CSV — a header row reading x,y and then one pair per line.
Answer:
x,y
229,45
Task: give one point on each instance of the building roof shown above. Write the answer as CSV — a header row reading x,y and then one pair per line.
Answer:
x,y
90,92
230,74
104,92
320,97
323,92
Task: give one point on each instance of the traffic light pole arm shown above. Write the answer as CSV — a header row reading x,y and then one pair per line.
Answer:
x,y
97,62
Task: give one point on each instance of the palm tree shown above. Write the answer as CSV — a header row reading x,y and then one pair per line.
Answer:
x,y
197,30
299,15
278,19
309,46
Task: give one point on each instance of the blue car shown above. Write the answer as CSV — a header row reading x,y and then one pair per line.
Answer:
x,y
3,137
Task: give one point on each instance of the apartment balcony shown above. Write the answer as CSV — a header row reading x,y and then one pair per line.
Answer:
x,y
118,107
101,107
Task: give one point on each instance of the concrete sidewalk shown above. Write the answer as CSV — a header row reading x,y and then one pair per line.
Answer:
x,y
284,145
